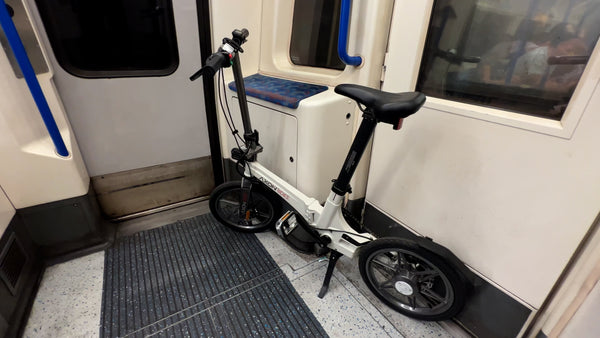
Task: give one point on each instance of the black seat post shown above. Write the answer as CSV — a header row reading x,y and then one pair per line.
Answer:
x,y
342,184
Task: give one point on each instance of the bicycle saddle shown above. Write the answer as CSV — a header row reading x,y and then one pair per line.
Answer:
x,y
388,107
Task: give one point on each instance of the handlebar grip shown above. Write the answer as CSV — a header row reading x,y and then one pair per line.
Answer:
x,y
214,62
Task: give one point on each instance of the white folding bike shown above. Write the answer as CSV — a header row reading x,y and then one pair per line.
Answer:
x,y
416,277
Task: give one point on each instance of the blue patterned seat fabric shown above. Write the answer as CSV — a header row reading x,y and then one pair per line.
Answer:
x,y
279,91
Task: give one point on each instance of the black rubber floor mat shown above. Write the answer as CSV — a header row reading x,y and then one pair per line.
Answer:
x,y
199,278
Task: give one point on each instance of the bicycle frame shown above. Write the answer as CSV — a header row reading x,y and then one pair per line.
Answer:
x,y
327,220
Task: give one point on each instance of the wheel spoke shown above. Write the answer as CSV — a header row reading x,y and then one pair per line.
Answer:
x,y
426,274
402,261
230,202
385,266
389,284
228,210
422,300
412,301
432,295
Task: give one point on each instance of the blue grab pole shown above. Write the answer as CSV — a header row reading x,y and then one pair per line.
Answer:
x,y
29,74
343,36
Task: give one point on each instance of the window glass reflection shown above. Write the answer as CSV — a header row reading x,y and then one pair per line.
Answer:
x,y
523,56
112,38
314,37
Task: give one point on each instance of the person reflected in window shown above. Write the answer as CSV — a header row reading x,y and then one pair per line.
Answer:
x,y
532,68
495,62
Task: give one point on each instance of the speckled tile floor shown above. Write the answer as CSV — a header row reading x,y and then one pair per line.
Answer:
x,y
68,303
69,300
348,309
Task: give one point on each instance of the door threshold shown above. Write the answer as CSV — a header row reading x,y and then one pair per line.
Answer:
x,y
160,209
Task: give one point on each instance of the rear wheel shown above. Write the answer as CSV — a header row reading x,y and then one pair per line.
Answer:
x,y
411,280
246,210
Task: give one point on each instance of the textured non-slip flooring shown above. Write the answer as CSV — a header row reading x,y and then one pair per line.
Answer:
x,y
198,278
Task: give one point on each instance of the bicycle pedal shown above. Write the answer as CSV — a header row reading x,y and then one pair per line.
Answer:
x,y
286,224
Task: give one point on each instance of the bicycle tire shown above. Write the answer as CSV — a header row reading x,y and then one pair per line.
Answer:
x,y
412,280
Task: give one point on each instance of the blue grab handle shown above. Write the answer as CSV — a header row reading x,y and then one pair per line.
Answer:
x,y
29,74
343,36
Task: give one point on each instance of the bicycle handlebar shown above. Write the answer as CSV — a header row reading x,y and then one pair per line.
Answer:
x,y
224,56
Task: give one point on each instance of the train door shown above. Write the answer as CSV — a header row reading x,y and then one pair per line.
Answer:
x,y
501,165
121,69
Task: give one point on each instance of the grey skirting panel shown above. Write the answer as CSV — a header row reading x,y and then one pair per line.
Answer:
x,y
199,278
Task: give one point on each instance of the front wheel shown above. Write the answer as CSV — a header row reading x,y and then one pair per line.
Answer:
x,y
245,210
411,280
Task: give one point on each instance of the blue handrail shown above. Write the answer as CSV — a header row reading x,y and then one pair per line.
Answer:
x,y
343,36
29,74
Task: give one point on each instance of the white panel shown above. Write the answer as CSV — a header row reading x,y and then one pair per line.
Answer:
x,y
278,134
318,134
324,138
31,172
585,322
511,203
129,123
6,212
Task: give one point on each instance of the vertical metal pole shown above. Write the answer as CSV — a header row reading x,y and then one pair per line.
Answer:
x,y
343,35
204,33
29,74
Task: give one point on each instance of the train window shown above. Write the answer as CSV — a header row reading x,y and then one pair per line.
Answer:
x,y
112,38
315,27
524,56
